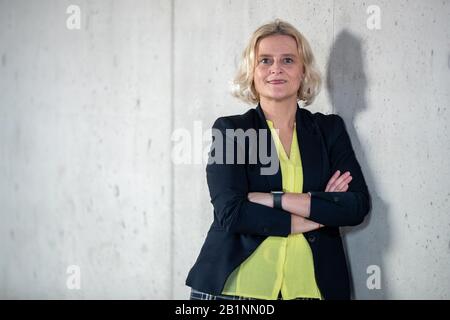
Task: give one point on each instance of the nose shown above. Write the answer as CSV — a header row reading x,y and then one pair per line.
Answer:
x,y
275,68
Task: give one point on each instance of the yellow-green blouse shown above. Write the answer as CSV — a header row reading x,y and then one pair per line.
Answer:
x,y
279,263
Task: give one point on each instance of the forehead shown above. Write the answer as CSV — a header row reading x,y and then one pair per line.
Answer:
x,y
277,45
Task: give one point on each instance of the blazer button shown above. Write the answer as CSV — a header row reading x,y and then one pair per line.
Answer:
x,y
266,229
336,199
311,238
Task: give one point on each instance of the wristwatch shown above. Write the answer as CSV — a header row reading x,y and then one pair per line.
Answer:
x,y
277,199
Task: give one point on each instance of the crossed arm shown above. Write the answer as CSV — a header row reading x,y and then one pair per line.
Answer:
x,y
237,210
299,204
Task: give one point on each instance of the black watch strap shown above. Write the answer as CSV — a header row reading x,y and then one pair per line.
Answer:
x,y
277,199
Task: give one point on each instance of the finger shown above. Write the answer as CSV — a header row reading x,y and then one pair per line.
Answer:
x,y
309,226
344,183
332,180
342,178
339,181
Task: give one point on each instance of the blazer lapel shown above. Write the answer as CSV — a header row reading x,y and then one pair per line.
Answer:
x,y
274,180
310,146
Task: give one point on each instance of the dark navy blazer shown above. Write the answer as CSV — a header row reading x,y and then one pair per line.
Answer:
x,y
240,226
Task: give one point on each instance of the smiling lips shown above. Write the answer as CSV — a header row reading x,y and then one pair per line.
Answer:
x,y
277,81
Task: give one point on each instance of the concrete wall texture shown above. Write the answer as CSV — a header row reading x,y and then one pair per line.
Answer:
x,y
87,118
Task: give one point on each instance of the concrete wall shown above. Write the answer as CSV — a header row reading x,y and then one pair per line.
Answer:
x,y
87,176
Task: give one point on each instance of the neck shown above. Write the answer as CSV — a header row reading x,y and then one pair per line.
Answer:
x,y
281,113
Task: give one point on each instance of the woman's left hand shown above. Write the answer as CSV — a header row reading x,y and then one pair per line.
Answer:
x,y
263,198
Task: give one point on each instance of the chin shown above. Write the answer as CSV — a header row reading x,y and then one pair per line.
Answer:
x,y
278,97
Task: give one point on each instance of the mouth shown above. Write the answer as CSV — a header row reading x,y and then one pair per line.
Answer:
x,y
277,81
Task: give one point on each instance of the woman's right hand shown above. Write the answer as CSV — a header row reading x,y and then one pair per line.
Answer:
x,y
302,225
338,182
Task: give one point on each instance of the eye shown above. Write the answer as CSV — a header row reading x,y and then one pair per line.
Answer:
x,y
264,60
288,60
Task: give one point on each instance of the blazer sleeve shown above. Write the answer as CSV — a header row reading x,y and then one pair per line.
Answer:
x,y
339,209
228,188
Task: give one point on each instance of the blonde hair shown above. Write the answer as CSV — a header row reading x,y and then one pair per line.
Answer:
x,y
244,86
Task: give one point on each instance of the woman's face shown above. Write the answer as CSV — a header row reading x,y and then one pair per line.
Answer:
x,y
279,68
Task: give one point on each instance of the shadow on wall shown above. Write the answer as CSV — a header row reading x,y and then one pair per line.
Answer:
x,y
366,243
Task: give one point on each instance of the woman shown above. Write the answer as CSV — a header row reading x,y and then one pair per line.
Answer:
x,y
276,235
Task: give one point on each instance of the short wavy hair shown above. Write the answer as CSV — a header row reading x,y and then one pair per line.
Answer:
x,y
243,84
